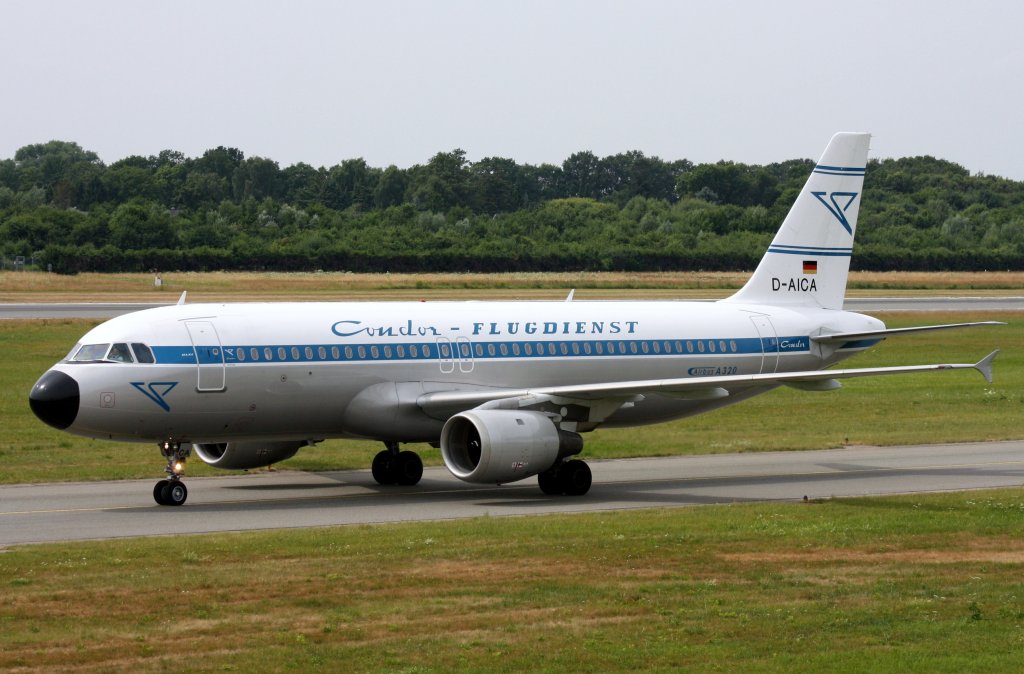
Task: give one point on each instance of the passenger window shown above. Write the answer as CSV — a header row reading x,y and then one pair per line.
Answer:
x,y
119,353
143,354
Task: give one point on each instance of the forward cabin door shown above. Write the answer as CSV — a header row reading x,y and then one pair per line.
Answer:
x,y
210,366
769,343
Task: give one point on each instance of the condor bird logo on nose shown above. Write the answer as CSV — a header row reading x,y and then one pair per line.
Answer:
x,y
839,211
156,391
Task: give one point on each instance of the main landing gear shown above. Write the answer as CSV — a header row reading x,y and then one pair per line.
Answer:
x,y
571,478
391,466
172,491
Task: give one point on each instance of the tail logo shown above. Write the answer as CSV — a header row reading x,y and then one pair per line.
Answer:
x,y
837,209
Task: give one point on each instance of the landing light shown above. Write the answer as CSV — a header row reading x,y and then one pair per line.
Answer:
x,y
178,467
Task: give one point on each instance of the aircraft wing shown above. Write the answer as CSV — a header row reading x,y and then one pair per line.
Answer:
x,y
699,388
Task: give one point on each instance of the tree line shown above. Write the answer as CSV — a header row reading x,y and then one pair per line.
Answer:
x,y
62,206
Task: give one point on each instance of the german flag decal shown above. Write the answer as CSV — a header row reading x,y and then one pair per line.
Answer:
x,y
810,266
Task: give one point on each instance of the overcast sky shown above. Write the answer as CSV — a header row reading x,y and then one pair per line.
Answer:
x,y
396,82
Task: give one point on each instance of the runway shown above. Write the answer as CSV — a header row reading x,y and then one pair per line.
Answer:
x,y
870,304
286,499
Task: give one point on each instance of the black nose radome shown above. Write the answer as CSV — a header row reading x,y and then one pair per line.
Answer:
x,y
54,399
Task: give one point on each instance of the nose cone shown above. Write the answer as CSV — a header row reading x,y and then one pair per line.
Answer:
x,y
55,398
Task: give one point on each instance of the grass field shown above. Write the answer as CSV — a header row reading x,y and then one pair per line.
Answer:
x,y
209,286
937,407
924,583
927,583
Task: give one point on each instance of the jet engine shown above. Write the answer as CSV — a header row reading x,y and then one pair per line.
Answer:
x,y
242,455
499,446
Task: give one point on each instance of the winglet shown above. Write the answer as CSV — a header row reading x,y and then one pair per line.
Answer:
x,y
181,300
984,366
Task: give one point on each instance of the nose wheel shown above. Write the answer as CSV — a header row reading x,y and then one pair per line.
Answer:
x,y
172,491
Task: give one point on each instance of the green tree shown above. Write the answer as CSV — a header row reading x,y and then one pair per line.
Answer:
x,y
495,185
139,225
581,174
256,178
442,184
391,187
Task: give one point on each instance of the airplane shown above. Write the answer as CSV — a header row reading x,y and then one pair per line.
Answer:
x,y
506,389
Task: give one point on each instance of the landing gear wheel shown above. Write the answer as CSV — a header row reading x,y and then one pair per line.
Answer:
x,y
575,477
409,469
549,482
158,492
174,493
383,468
391,466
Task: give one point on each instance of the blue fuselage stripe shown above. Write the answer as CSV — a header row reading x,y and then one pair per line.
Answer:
x,y
477,350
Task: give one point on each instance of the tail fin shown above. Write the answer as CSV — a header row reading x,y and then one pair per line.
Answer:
x,y
809,259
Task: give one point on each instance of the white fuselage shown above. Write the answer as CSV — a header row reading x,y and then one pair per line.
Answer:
x,y
318,370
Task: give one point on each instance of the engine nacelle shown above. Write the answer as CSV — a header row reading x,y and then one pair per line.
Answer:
x,y
242,455
499,446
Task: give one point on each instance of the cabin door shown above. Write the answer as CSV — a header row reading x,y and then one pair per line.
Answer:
x,y
769,343
209,356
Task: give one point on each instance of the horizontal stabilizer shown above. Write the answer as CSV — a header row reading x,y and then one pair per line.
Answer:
x,y
843,337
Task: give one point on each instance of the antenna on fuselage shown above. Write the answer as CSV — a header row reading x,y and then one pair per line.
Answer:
x,y
571,293
181,300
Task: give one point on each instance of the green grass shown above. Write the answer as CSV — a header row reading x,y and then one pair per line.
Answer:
x,y
926,583
935,407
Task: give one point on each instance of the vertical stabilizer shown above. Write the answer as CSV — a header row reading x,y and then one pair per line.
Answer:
x,y
809,259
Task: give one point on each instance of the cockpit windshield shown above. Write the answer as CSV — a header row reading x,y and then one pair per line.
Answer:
x,y
91,352
113,353
143,353
120,353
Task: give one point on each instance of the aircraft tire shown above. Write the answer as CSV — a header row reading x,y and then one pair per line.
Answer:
x,y
575,477
549,483
158,492
383,468
409,468
174,493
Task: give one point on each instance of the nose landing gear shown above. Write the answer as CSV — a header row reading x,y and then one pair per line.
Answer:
x,y
172,491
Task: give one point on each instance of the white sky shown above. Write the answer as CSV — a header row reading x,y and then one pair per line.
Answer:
x,y
397,81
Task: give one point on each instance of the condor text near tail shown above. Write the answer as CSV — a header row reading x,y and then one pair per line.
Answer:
x,y
506,389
